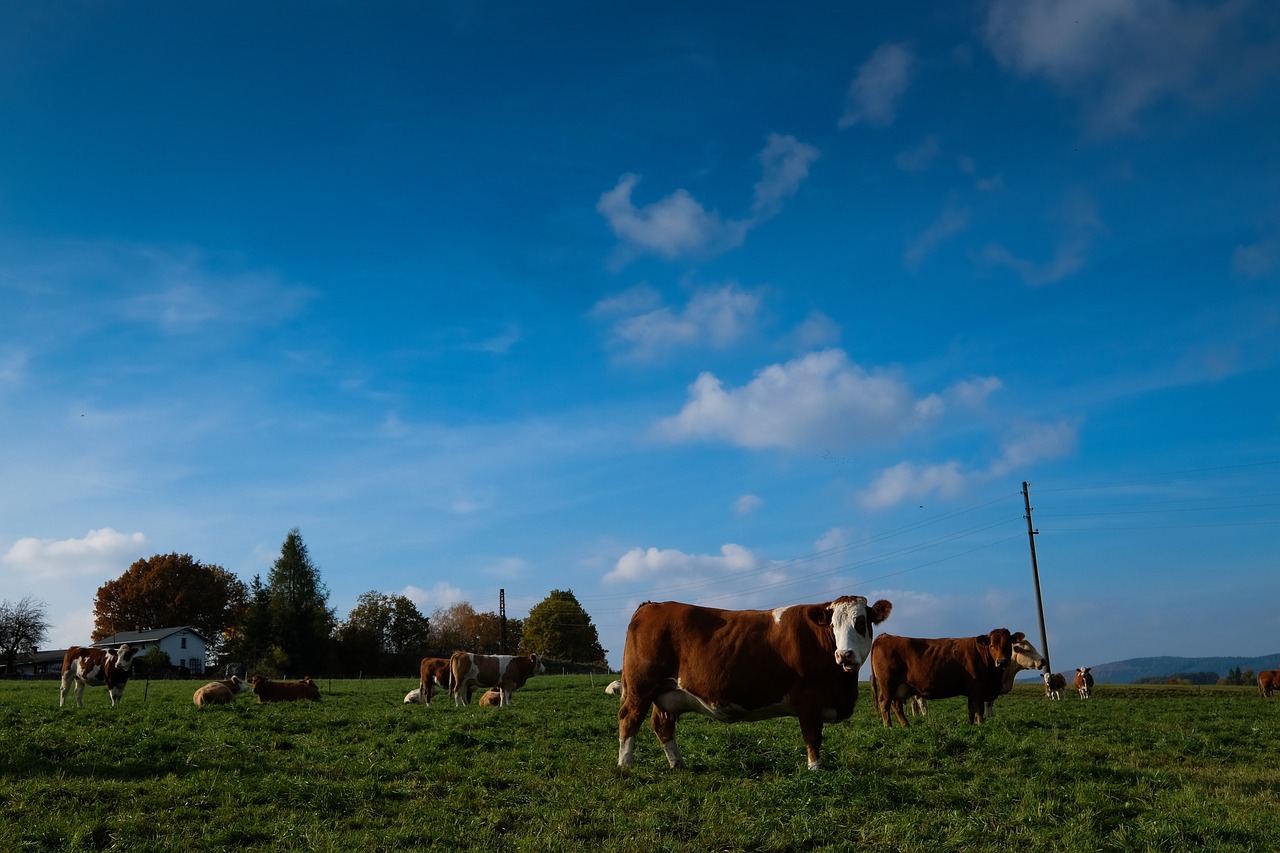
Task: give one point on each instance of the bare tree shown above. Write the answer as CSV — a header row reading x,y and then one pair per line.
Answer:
x,y
23,627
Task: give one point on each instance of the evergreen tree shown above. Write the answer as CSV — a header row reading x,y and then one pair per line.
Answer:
x,y
560,629
301,620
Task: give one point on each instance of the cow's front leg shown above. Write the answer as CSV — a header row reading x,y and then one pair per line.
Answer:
x,y
664,726
976,706
811,731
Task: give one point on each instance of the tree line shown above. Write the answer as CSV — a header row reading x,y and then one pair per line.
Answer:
x,y
284,625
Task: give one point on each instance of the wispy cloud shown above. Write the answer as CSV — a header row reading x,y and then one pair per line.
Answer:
x,y
1078,224
650,564
785,162
920,157
879,85
950,223
643,330
747,504
1253,260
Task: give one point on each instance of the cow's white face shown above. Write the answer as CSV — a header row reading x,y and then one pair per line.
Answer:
x,y
851,622
1026,656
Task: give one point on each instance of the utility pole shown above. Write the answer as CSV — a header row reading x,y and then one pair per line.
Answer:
x,y
1035,575
502,619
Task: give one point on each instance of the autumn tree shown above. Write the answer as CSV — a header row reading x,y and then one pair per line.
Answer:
x,y
460,627
383,633
171,590
301,620
23,627
559,628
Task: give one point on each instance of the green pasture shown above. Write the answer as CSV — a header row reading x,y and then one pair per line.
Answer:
x,y
1135,768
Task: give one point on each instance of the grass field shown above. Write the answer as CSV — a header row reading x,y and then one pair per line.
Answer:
x,y
1135,768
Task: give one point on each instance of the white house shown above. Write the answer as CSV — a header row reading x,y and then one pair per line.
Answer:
x,y
185,646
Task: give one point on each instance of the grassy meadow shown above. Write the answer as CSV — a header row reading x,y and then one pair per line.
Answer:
x,y
1135,768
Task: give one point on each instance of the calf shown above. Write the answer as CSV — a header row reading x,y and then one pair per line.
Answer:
x,y
1268,682
507,672
613,689
284,691
1054,684
492,698
84,665
433,672
220,692
973,667
1084,682
415,697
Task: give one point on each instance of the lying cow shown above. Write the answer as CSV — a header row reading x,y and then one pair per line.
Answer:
x,y
1025,656
1268,682
220,692
492,698
433,672
902,667
1054,684
85,665
743,665
506,672
284,691
415,697
614,688
1084,682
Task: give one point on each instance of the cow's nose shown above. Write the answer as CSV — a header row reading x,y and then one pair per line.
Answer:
x,y
1002,663
847,659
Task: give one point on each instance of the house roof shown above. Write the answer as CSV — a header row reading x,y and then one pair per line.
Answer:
x,y
155,635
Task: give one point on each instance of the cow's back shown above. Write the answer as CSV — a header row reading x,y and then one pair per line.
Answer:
x,y
934,668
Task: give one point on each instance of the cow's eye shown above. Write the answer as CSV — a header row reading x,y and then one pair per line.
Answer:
x,y
860,625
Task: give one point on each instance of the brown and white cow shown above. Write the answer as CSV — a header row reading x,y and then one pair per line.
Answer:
x,y
1268,682
415,697
507,672
1054,684
284,691
492,698
1025,656
902,667
432,673
743,665
220,692
613,688
1084,682
84,665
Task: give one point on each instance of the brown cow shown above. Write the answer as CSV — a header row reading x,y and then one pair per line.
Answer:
x,y
284,691
743,665
1025,656
508,672
1054,684
902,667
492,698
1084,682
220,692
1268,682
84,665
433,672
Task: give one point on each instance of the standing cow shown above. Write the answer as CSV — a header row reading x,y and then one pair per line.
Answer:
x,y
1025,656
83,665
743,665
1084,682
1054,684
1268,682
432,673
508,672
902,667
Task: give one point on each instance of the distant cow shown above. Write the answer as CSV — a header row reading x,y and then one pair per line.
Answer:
x,y
1025,656
220,692
84,665
1054,684
614,689
491,698
433,672
1268,682
284,691
508,672
902,667
743,665
1084,682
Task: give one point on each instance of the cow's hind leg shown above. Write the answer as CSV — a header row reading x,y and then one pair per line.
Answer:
x,y
664,726
631,715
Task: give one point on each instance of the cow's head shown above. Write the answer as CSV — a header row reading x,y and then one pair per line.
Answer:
x,y
999,645
124,656
1083,670
851,622
538,667
1025,656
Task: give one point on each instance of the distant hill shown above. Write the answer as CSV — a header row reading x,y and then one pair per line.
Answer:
x,y
1128,671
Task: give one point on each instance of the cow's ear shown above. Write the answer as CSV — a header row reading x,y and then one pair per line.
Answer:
x,y
820,615
983,640
1019,637
880,611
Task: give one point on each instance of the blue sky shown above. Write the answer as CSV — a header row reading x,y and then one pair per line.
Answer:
x,y
743,307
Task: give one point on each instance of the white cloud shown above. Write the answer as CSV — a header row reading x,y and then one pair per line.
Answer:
x,y
949,224
100,550
878,87
973,393
715,318
819,400
747,504
640,564
785,161
920,157
441,595
1068,259
1121,57
816,331
907,481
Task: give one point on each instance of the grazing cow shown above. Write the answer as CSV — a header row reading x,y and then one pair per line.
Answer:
x,y
220,692
433,672
1054,684
84,665
415,697
902,667
492,698
284,691
1268,682
1084,682
507,672
614,689
743,665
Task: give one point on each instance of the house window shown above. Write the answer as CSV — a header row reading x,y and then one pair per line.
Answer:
x,y
184,642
